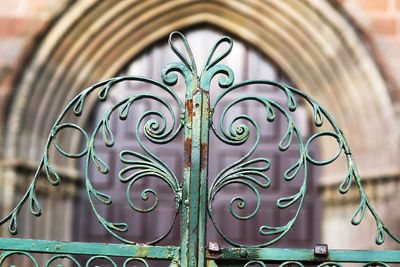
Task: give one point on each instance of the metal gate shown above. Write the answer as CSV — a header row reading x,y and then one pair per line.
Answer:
x,y
195,196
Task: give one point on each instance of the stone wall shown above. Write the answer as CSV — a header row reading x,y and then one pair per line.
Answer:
x,y
380,21
24,24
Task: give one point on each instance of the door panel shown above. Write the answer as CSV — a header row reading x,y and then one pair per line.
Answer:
x,y
247,63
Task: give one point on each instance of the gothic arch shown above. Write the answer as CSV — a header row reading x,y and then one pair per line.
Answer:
x,y
313,42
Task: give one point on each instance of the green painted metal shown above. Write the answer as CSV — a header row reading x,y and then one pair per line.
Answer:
x,y
195,197
57,247
195,172
305,255
17,245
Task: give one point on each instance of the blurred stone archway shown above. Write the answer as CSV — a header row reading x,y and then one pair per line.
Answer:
x,y
314,42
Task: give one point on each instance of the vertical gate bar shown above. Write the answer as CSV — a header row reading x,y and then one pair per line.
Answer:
x,y
195,178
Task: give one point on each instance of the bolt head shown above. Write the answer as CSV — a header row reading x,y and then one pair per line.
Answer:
x,y
213,246
321,250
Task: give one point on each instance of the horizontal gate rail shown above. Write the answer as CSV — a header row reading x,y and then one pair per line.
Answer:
x,y
104,249
172,252
306,255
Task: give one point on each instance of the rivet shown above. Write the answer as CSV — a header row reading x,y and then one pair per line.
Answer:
x,y
243,253
186,202
58,247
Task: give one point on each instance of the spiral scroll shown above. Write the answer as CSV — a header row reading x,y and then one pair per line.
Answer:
x,y
146,165
242,172
247,171
253,177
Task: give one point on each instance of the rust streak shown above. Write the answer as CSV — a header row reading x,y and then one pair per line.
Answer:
x,y
189,108
188,151
203,155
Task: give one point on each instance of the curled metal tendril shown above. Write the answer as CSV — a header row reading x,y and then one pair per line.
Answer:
x,y
131,260
297,263
149,166
91,262
241,171
252,263
7,254
290,263
154,131
240,135
69,257
106,258
190,64
211,68
376,263
139,167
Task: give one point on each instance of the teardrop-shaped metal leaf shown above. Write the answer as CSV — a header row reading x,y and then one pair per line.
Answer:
x,y
78,107
293,171
270,230
380,235
291,102
52,175
318,117
100,164
34,204
108,136
102,197
123,114
103,93
285,202
13,224
141,170
346,184
359,213
209,64
284,144
120,227
270,112
191,64
265,167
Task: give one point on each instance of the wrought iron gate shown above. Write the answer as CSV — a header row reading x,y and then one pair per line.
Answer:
x,y
195,197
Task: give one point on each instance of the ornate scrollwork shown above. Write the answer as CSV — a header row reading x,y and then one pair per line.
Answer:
x,y
7,254
247,171
155,130
74,262
241,171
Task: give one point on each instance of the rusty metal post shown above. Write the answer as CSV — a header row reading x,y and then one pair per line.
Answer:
x,y
195,177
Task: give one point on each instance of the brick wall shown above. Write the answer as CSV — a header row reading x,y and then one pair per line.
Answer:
x,y
20,20
380,20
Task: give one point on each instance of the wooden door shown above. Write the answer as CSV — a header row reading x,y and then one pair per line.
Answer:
x,y
247,63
